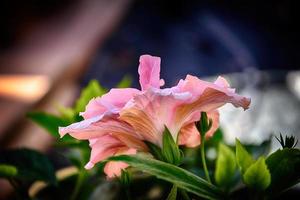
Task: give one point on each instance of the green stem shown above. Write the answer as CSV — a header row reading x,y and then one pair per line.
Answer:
x,y
204,160
79,181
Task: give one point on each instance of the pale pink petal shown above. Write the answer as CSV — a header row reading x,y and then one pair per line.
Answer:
x,y
214,115
114,168
151,111
176,107
189,136
210,100
149,70
98,126
222,82
104,147
196,87
112,101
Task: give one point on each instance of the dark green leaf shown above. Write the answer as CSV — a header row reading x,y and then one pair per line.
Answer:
x,y
181,178
93,89
47,121
31,165
8,171
155,150
170,149
204,124
173,193
288,142
257,176
284,166
125,178
243,158
225,166
125,82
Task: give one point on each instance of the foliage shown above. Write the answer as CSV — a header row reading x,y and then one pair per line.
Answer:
x,y
243,158
225,166
178,176
284,166
288,142
48,121
257,176
180,170
27,165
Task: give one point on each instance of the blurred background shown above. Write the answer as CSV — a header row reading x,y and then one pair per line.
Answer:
x,y
50,49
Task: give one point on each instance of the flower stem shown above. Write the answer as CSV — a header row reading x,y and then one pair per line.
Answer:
x,y
79,181
204,160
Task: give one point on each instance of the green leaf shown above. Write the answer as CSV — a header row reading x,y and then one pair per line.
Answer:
x,y
67,114
155,150
170,150
125,178
180,177
204,124
225,166
31,165
243,158
284,166
47,121
257,176
173,193
8,171
288,142
93,89
125,82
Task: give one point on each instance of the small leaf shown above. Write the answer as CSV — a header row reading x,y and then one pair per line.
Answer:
x,y
284,166
68,114
93,89
47,121
243,158
180,177
170,149
257,176
204,124
173,193
31,165
155,150
125,82
288,142
125,178
225,166
8,171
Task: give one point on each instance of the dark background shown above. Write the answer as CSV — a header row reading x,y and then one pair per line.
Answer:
x,y
197,37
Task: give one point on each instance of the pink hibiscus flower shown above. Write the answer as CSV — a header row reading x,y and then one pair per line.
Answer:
x,y
120,121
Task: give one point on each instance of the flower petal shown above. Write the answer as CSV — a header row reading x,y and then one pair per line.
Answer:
x,y
114,168
207,97
101,125
214,116
149,71
112,101
104,147
148,113
189,136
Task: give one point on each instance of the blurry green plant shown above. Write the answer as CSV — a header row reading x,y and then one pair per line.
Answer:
x,y
182,173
